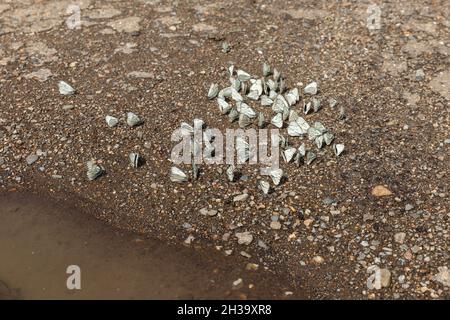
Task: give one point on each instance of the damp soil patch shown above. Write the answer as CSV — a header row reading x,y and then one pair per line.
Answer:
x,y
39,239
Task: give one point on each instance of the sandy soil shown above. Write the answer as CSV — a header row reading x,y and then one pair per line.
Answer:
x,y
336,229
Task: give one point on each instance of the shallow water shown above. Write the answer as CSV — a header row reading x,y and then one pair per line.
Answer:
x,y
40,239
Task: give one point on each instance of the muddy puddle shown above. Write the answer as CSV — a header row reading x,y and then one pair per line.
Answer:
x,y
39,240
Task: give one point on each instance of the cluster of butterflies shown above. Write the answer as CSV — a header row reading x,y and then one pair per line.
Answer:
x,y
271,92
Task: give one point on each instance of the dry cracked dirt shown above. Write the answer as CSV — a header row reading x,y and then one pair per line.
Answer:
x,y
370,224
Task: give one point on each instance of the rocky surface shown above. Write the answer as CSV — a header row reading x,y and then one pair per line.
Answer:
x,y
383,234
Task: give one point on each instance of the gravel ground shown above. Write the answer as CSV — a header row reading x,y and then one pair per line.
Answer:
x,y
380,210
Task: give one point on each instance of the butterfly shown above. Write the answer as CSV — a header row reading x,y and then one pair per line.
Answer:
x,y
264,186
338,149
277,120
276,175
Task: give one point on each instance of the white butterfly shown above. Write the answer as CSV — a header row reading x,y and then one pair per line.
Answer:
x,y
195,171
198,124
302,150
284,143
328,137
276,74
235,83
246,109
280,104
311,88
306,108
243,149
257,86
253,95
320,127
244,121
230,173
286,113
293,115
266,70
319,142
310,157
244,87
273,85
133,119
94,171
292,96
298,159
342,113
186,129
261,120
134,159
231,70
264,86
303,124
233,115
298,128
225,93
236,96
266,101
313,133
316,104
332,102
195,147
272,94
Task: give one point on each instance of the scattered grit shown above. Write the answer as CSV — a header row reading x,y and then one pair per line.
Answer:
x,y
372,223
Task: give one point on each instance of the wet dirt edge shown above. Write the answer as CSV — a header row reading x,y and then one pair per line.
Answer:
x,y
271,284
